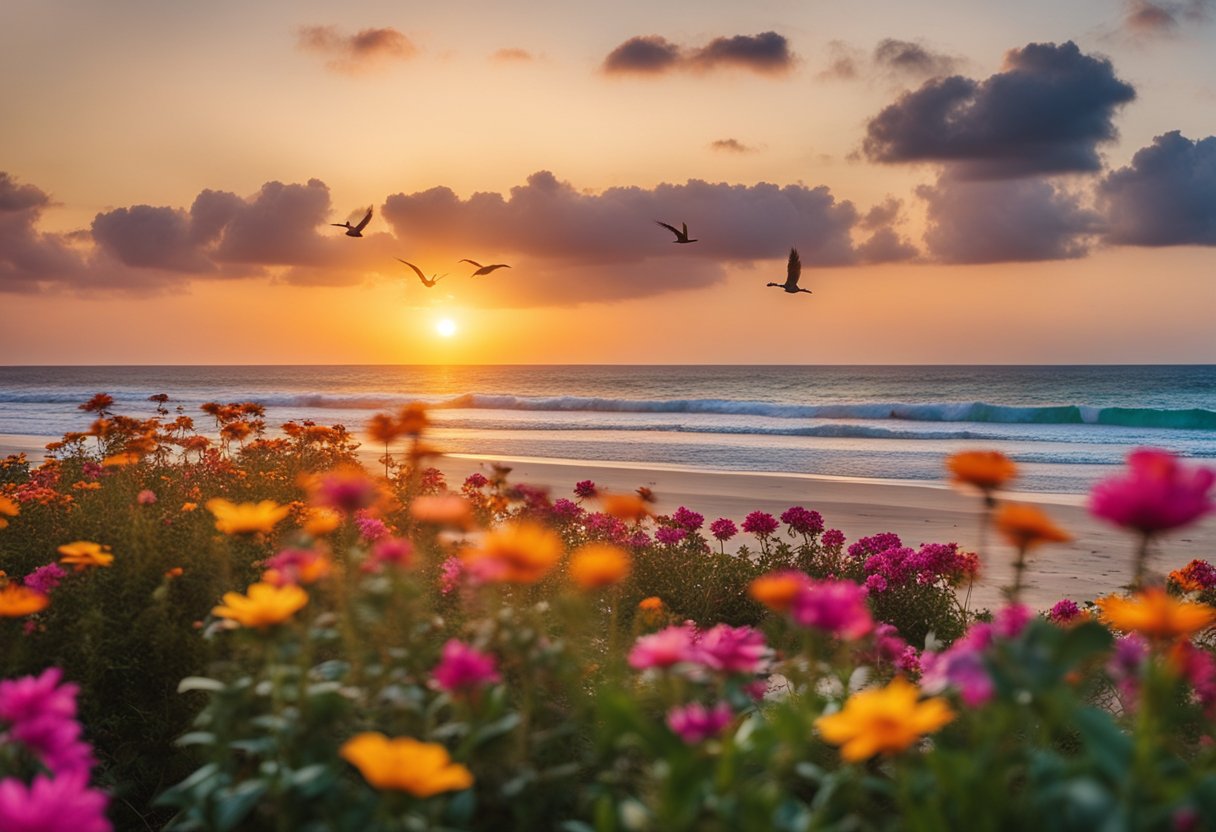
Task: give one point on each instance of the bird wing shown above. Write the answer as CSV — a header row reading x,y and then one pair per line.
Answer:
x,y
417,270
488,269
363,222
794,269
685,232
438,278
474,262
341,224
670,228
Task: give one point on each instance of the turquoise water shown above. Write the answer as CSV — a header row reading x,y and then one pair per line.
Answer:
x,y
1067,426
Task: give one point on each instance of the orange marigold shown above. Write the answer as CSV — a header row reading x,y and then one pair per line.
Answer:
x,y
443,510
986,470
83,554
598,565
422,769
17,601
7,507
1026,526
516,553
777,590
1155,614
628,507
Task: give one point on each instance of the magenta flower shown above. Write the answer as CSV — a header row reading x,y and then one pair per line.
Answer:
x,y
837,607
874,544
396,551
1009,621
961,667
584,489
832,539
371,528
41,715
45,579
147,497
664,648
1156,495
566,510
463,668
732,649
92,470
1064,611
296,566
345,491
669,535
639,540
803,521
475,481
450,572
694,723
687,519
723,529
760,523
52,804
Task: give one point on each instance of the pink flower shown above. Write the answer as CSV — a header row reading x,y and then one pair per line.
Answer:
x,y
475,481
146,497
390,550
585,489
42,716
449,575
837,607
961,667
760,523
1011,620
52,804
664,648
1157,494
695,723
566,510
723,529
669,536
732,649
687,519
296,566
803,521
44,579
832,539
1063,611
371,528
345,490
463,668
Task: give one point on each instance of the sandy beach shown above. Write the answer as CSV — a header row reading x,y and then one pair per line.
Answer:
x,y
1096,562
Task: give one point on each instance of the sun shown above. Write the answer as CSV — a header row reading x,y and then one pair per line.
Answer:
x,y
446,327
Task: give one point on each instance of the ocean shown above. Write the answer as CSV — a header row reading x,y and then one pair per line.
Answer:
x,y
1066,426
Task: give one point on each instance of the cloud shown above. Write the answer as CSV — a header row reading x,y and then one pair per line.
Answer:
x,y
1005,221
1163,17
353,54
29,258
510,55
1046,113
908,58
766,53
644,55
1165,197
844,62
731,146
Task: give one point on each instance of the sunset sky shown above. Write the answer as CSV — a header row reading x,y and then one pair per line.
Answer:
x,y
966,182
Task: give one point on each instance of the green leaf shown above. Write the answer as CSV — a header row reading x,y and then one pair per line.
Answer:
x,y
200,683
237,802
310,781
196,738
496,729
1109,748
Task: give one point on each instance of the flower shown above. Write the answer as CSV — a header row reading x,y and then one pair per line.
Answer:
x,y
319,521
7,508
832,539
584,489
443,510
264,605
664,648
383,428
723,529
188,507
1156,495
669,535
760,523
687,519
413,419
1196,576
297,566
246,518
731,649
463,668
628,507
599,564
450,572
121,460
515,553
395,550
884,720
1025,526
651,604
345,489
52,804
802,521
371,528
45,578
1065,611
476,480
986,470
84,554
147,497
695,723
838,607
1155,614
403,764
19,601
777,590
42,716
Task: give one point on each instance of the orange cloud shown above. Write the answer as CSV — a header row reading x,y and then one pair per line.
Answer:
x,y
353,54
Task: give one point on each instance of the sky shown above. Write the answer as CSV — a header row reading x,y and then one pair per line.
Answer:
x,y
964,181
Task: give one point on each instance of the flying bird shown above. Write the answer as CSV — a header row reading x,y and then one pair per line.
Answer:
x,y
792,273
355,230
427,283
485,269
681,234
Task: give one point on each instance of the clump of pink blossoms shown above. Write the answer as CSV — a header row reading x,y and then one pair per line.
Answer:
x,y
463,668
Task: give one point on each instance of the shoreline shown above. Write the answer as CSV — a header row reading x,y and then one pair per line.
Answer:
x,y
1098,560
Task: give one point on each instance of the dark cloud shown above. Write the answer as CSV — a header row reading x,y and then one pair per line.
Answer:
x,y
1165,197
1005,221
886,246
885,213
1047,112
352,54
766,53
908,58
844,62
512,55
731,146
29,258
645,54
1163,17
150,237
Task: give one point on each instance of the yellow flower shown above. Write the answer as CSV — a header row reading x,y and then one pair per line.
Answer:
x,y
986,470
885,720
83,554
1155,614
516,553
8,507
246,518
17,601
403,764
319,521
264,606
599,564
1026,526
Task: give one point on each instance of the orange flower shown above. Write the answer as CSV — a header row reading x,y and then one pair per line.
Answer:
x,y
175,572
516,553
422,769
121,459
627,507
443,510
264,606
1025,526
652,604
187,507
246,518
86,485
319,521
413,419
17,601
84,554
599,564
1155,614
777,590
384,429
986,470
7,507
883,720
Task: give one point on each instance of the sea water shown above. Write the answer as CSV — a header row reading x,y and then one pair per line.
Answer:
x,y
1066,426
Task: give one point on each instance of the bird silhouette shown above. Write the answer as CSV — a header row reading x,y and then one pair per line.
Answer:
x,y
792,273
681,234
427,283
355,230
485,269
